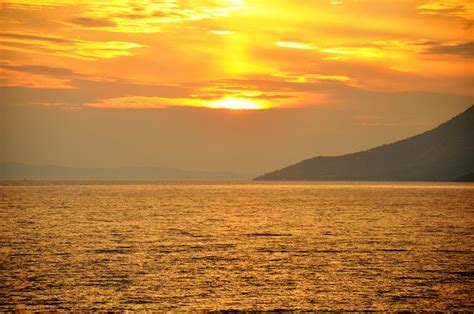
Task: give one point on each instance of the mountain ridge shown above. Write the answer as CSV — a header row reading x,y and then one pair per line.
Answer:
x,y
440,154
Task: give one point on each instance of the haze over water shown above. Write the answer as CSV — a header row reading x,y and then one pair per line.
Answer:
x,y
243,246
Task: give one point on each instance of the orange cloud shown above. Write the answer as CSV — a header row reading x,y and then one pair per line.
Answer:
x,y
453,8
9,77
138,102
71,48
295,45
132,102
128,16
191,53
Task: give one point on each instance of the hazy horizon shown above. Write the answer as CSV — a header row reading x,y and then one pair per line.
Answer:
x,y
237,152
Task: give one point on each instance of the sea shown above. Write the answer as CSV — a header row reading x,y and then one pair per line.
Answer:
x,y
236,246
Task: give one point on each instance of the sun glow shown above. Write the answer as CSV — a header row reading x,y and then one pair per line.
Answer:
x,y
238,104
232,54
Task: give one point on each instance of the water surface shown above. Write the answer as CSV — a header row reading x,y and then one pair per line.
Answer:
x,y
242,246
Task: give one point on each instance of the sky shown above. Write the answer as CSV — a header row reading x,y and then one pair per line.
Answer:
x,y
246,86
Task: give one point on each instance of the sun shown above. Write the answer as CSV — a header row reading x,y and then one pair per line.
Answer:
x,y
238,104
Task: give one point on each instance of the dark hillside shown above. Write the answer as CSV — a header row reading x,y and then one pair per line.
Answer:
x,y
441,154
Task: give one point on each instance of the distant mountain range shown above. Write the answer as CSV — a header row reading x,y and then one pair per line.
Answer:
x,y
18,171
445,153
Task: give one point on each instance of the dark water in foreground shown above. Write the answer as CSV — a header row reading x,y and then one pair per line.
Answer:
x,y
248,246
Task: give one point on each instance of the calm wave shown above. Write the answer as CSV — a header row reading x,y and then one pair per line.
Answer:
x,y
242,246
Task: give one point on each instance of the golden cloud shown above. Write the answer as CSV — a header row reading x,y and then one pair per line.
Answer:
x,y
455,8
140,102
127,16
59,46
10,77
295,45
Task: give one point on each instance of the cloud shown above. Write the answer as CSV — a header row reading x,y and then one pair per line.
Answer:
x,y
368,50
463,50
148,16
70,48
341,53
463,9
397,49
207,41
140,102
90,91
9,21
40,76
222,32
9,76
41,70
35,5
311,77
133,102
68,88
221,89
34,37
295,45
92,22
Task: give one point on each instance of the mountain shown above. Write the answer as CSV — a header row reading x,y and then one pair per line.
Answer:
x,y
18,171
445,153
